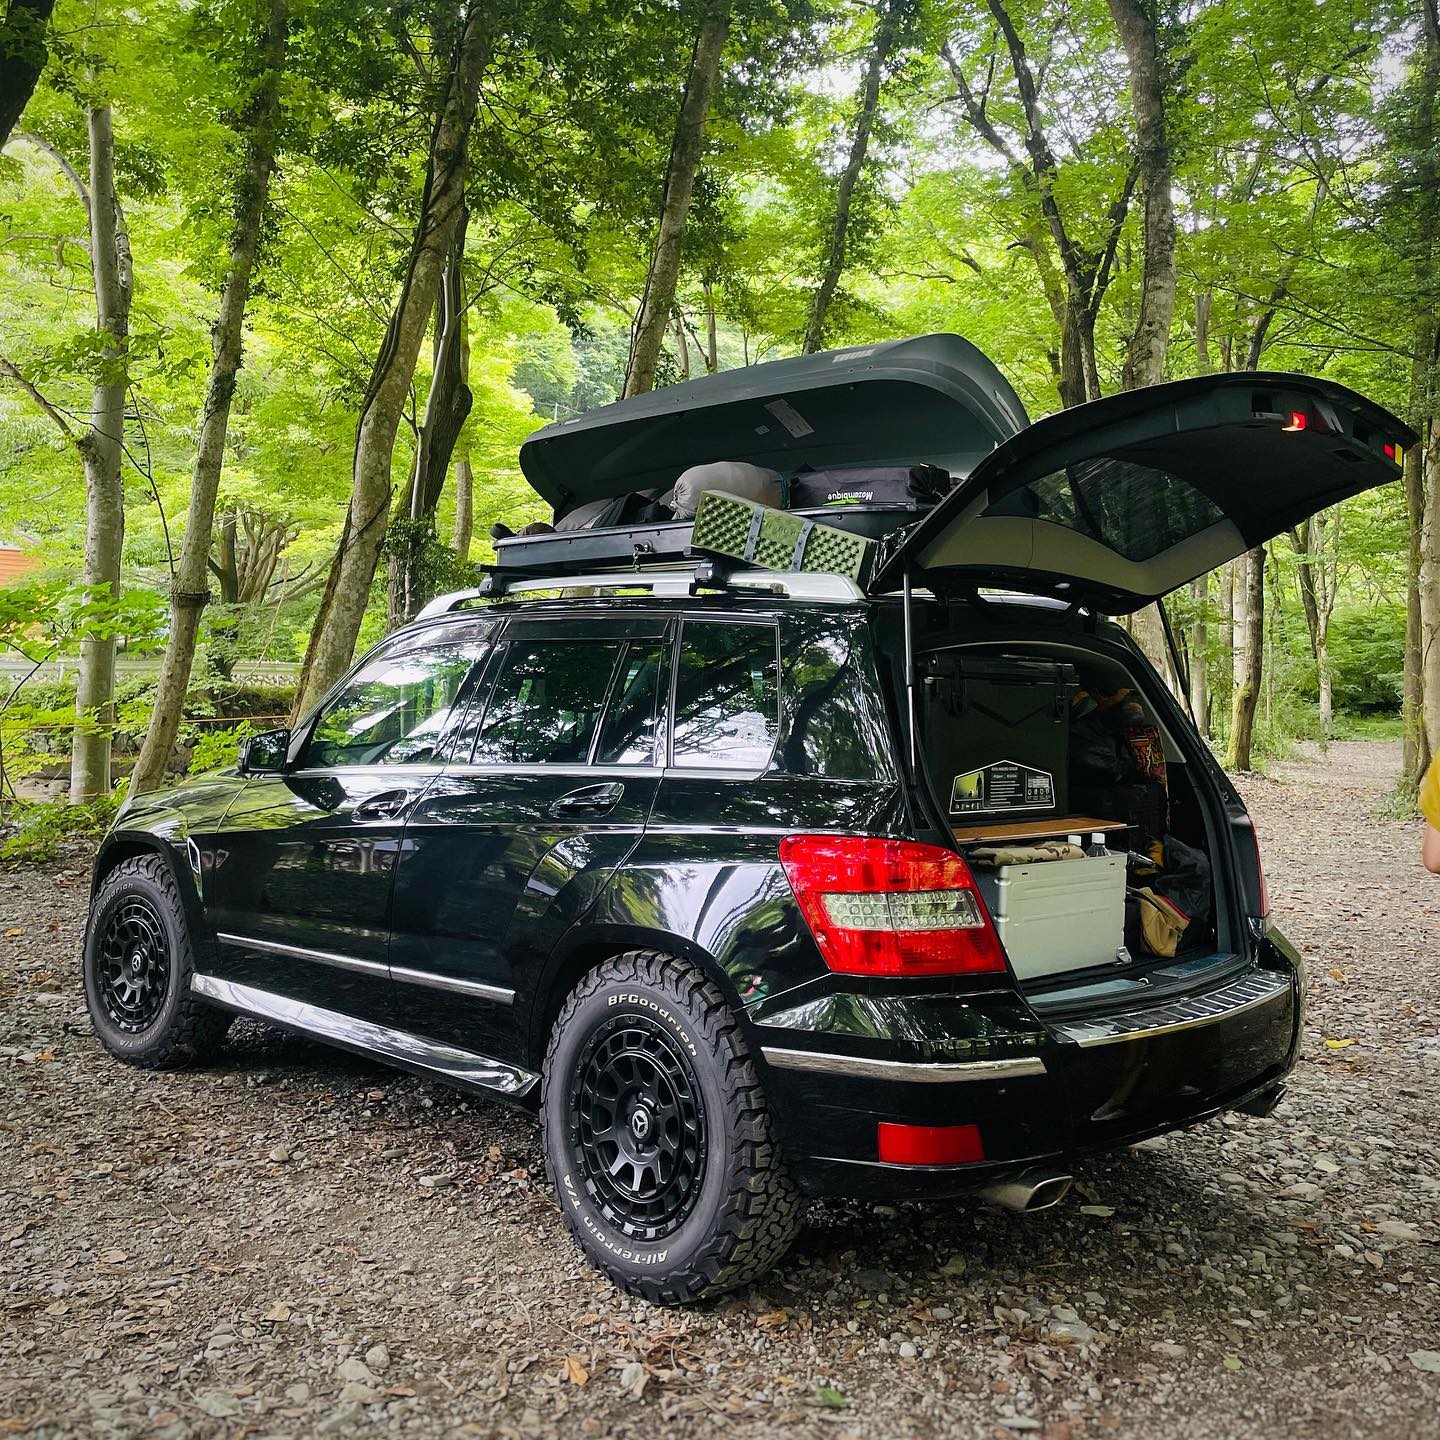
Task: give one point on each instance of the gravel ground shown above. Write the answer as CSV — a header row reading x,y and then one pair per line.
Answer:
x,y
299,1243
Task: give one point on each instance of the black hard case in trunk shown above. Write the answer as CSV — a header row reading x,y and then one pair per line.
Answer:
x,y
997,736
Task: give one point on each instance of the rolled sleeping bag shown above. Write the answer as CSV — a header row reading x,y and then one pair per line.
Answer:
x,y
734,477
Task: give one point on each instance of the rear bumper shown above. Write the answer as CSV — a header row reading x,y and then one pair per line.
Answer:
x,y
1081,1087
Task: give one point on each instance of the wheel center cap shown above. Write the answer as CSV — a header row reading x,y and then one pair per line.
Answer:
x,y
137,963
640,1122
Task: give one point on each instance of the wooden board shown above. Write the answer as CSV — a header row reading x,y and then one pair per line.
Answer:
x,y
1036,829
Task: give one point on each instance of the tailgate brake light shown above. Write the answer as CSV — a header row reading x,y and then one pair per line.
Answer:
x,y
890,907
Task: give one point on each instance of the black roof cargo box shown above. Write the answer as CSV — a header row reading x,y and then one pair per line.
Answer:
x,y
935,399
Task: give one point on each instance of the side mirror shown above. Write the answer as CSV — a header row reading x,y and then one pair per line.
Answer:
x,y
265,753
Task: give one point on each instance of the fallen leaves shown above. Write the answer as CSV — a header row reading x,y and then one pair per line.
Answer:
x,y
575,1371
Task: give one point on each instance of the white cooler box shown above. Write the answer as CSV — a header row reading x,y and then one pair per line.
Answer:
x,y
1060,915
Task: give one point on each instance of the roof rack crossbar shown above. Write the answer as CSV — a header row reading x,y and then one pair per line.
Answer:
x,y
678,582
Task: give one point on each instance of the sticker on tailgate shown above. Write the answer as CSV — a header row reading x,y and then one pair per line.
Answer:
x,y
1000,786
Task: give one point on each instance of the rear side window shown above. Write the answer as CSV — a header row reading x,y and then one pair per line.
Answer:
x,y
628,734
727,696
546,703
835,724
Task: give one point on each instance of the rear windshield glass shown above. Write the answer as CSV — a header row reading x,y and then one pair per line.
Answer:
x,y
1135,510
727,696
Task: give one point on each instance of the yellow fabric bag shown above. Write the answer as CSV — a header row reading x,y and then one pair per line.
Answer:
x,y
1430,793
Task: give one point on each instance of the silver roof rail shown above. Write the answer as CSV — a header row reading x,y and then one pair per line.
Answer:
x,y
667,584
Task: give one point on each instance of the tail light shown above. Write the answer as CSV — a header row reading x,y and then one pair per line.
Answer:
x,y
890,907
928,1144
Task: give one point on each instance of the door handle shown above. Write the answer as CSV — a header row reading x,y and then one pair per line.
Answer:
x,y
589,800
384,806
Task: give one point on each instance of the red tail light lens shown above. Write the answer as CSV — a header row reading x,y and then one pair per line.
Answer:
x,y
928,1144
890,907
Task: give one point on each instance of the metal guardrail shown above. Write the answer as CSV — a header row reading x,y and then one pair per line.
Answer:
x,y
244,672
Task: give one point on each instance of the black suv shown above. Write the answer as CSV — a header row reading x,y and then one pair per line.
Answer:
x,y
760,881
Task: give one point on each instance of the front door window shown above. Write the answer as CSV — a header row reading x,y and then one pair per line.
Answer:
x,y
395,709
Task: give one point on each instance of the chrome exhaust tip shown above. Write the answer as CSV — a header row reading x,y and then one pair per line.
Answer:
x,y
1028,1191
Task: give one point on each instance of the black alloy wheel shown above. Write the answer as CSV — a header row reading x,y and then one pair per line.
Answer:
x,y
658,1134
641,1127
139,964
134,965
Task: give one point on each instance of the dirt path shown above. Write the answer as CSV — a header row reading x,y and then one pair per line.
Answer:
x,y
299,1243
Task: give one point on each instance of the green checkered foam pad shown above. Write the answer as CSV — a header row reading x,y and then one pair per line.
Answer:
x,y
776,539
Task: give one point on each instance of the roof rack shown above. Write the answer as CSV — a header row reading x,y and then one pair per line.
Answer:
x,y
680,582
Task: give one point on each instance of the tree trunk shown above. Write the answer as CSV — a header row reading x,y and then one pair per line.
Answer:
x,y
23,54
1430,587
342,608
1249,642
1425,392
189,589
1317,603
1204,303
101,451
1145,359
446,408
888,25
712,351
685,151
464,503
682,346
1148,631
1199,661
1415,758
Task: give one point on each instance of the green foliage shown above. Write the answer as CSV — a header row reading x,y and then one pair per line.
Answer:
x,y
40,830
1297,182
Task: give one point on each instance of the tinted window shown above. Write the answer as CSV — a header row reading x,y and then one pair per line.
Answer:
x,y
395,709
546,702
834,720
726,696
1135,510
627,736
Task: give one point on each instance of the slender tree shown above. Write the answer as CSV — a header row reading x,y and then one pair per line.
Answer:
x,y
342,608
1139,32
23,53
1086,269
891,22
686,148
189,590
101,449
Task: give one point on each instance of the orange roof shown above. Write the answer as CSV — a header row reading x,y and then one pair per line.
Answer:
x,y
14,563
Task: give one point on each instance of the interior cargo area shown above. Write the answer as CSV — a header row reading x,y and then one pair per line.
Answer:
x,y
1080,814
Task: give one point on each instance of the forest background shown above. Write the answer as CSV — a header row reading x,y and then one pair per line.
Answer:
x,y
284,283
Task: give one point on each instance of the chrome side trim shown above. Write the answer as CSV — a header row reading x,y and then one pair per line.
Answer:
x,y
351,1033
301,952
500,994
1263,987
921,1072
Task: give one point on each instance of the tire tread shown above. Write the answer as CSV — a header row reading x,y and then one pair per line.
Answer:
x,y
763,1208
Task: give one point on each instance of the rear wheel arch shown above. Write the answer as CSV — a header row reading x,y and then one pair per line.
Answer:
x,y
581,953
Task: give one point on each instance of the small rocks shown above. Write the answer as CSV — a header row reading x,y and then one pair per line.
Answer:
x,y
1398,1230
377,1357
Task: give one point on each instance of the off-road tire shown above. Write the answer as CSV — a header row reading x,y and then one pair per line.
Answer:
x,y
746,1209
184,1028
